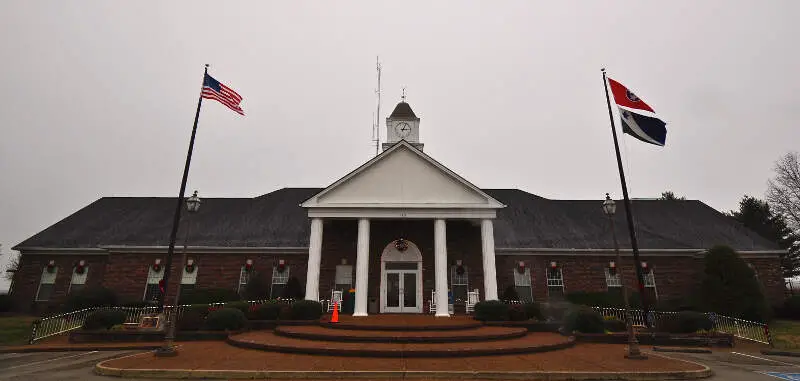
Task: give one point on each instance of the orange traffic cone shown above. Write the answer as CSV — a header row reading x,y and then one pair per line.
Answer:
x,y
335,317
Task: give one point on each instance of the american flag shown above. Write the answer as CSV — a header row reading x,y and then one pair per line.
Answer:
x,y
213,89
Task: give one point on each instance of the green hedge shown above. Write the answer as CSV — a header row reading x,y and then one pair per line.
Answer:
x,y
491,310
193,318
604,299
306,310
104,319
267,311
226,319
585,320
91,296
686,322
210,295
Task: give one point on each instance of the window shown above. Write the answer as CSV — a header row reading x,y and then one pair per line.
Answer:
x,y
650,284
151,289
344,278
555,283
244,278
188,280
279,280
522,282
612,278
459,284
78,281
46,284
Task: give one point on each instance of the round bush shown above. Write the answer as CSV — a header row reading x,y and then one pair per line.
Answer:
x,y
306,310
687,322
104,319
585,320
534,311
193,318
226,319
491,310
267,311
517,312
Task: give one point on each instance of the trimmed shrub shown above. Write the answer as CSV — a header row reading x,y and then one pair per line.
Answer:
x,y
730,287
267,311
687,322
585,320
516,312
534,311
92,296
294,289
193,318
306,310
612,324
5,303
104,319
491,310
791,307
226,319
259,285
241,306
286,312
604,299
210,295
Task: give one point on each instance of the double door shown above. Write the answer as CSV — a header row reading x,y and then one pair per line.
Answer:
x,y
402,291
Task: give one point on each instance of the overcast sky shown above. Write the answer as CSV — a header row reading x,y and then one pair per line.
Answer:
x,y
99,96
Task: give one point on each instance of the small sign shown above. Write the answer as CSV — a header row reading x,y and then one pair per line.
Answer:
x,y
151,322
712,316
651,318
784,376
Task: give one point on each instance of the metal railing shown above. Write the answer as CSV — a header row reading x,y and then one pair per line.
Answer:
x,y
743,329
62,323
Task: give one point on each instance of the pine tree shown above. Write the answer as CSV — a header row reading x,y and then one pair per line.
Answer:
x,y
756,215
730,287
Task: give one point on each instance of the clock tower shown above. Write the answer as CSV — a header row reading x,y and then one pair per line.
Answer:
x,y
402,124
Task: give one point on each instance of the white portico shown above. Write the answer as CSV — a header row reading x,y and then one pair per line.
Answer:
x,y
401,183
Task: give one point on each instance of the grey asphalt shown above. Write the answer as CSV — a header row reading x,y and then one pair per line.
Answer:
x,y
728,366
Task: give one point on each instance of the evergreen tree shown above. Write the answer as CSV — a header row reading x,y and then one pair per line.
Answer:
x,y
730,287
670,195
756,215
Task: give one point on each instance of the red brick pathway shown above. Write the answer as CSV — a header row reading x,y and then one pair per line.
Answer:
x,y
311,332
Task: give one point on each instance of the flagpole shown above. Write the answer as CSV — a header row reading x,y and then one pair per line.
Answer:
x,y
168,349
627,201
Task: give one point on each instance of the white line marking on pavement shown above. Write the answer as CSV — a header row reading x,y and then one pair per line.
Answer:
x,y
765,359
57,358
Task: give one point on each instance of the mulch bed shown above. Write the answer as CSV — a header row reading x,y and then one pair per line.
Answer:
x,y
447,336
219,356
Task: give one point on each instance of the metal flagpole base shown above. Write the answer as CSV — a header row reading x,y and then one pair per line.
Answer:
x,y
170,351
635,356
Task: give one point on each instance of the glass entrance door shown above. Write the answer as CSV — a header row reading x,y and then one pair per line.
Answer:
x,y
401,291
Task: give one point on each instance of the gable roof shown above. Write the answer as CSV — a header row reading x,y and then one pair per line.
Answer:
x,y
471,195
276,220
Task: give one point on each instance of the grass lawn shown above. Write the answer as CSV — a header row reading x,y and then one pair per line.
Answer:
x,y
785,334
15,330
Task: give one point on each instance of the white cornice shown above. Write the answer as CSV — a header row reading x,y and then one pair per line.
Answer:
x,y
378,213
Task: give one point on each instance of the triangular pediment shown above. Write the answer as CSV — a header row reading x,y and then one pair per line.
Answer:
x,y
404,177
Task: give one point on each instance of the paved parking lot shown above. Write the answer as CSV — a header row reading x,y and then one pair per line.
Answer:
x,y
740,366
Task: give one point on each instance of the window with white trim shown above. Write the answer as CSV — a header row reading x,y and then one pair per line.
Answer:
x,y
78,281
612,278
344,278
151,289
279,280
650,283
244,278
555,283
46,284
188,280
522,282
459,284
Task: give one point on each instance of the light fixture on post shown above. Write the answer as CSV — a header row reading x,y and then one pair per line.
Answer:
x,y
168,349
610,208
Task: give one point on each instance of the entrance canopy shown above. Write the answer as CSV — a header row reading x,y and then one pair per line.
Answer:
x,y
402,182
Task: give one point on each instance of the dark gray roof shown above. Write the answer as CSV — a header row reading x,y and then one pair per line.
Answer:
x,y
276,220
403,110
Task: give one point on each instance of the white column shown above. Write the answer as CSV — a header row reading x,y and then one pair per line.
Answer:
x,y
440,253
489,269
314,259
362,268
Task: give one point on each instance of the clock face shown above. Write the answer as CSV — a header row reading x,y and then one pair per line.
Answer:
x,y
402,129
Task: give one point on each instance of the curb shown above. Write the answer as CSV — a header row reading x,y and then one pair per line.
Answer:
x,y
78,349
683,350
340,335
780,353
103,370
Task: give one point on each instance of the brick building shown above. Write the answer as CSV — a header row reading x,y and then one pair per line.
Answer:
x,y
402,230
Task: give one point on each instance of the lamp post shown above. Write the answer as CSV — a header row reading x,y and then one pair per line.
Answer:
x,y
168,349
610,208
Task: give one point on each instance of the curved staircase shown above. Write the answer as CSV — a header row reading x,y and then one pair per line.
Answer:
x,y
401,336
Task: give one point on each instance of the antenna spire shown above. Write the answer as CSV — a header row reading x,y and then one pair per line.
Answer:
x,y
376,126
403,97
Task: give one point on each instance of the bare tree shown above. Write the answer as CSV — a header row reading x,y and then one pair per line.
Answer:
x,y
783,190
12,264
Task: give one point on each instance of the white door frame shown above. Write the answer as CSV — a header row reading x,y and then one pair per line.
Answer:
x,y
392,254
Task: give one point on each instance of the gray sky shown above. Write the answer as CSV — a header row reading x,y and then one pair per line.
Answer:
x,y
100,96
